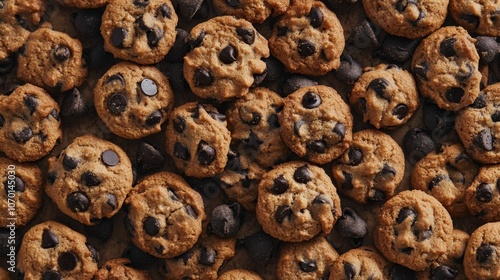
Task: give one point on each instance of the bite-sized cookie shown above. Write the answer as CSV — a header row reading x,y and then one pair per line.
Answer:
x,y
478,126
446,174
29,123
413,230
200,262
239,274
142,31
483,195
297,201
52,60
445,66
23,188
477,16
308,39
450,265
254,126
361,263
133,101
90,179
120,269
51,250
197,139
410,19
164,215
84,4
316,123
371,169
256,11
306,260
385,96
481,254
225,58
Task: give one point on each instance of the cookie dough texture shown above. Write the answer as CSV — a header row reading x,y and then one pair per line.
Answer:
x,y
120,269
52,60
483,196
255,11
51,250
477,16
165,215
139,31
361,263
413,230
225,58
90,179
84,4
29,123
308,39
239,274
445,66
133,101
410,19
481,257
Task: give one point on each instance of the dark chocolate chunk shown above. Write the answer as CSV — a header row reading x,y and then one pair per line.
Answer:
x,y
78,201
69,163
138,258
308,266
207,256
339,129
49,239
179,124
149,158
61,53
454,94
347,184
351,225
399,272
355,156
23,136
443,272
247,35
349,70
117,103
187,10
407,250
260,247
206,154
321,199
379,85
316,17
88,22
472,19
118,35
311,100
151,226
484,140
203,77
280,185
434,182
196,42
283,211
420,70
181,151
148,87
296,82
185,256
73,104
217,116
154,118
180,47
487,48
96,56
31,102
51,177
416,144
259,78
484,253
248,117
484,192
297,126
375,195
274,69
154,36
191,212
480,101
93,252
19,185
50,275
364,35
349,270
7,64
2,121
306,48
67,261
141,3
102,229
228,54
112,202
165,11
110,158
446,47
225,220
233,3
404,214
319,146
90,179
496,116
302,175
281,30
401,5
397,49
400,111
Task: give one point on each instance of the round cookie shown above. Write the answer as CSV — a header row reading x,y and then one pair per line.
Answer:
x,y
445,175
239,274
133,101
90,179
142,31
478,128
225,58
445,66
413,230
51,250
254,126
85,4
371,169
164,215
316,123
483,195
361,263
120,269
481,254
477,16
308,39
52,60
297,201
202,261
22,188
197,139
255,11
306,260
410,19
385,96
29,123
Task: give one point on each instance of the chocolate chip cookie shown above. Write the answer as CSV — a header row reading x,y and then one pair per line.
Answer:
x,y
308,39
385,96
360,263
29,123
371,169
477,16
90,179
297,201
164,215
133,101
483,196
51,250
445,66
316,123
480,258
120,269
239,274
477,126
446,174
413,230
225,58
197,139
255,11
141,31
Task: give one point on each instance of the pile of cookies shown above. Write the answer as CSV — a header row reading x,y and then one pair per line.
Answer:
x,y
245,139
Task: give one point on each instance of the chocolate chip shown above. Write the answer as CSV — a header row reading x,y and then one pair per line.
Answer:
x,y
141,3
51,275
472,19
102,229
399,272
7,64
438,120
339,129
302,175
233,3
443,272
23,136
196,42
112,202
273,121
248,117
420,70
151,226
351,225
454,94
225,221
281,30
154,118
61,53
139,259
484,192
180,47
480,101
96,56
484,253
283,211
207,257
19,185
67,261
417,143
154,36
181,152
149,158
306,48
397,49
188,10
376,195
321,199
117,103
217,116
446,47
148,87
349,70
421,15
179,124
400,111
496,116
228,54
191,212
118,35
202,77
51,177
401,5
487,48
69,163
88,22
484,140
93,252
347,185
73,104
308,266
31,102
2,121
110,158
274,69
185,257
260,247
316,17
319,146
280,185
364,35
206,154
247,35
90,179
49,239
311,100
407,250
296,127
349,270
379,85
360,107
404,214
296,82
435,181
355,156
